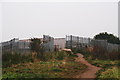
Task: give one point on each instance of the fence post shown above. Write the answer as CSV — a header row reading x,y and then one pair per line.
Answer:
x,y
71,41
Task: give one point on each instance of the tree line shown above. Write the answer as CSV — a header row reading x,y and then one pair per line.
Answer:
x,y
109,37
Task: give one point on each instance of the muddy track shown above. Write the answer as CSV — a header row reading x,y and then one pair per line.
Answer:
x,y
90,71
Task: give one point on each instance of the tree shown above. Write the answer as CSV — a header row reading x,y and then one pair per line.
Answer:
x,y
35,47
35,44
109,37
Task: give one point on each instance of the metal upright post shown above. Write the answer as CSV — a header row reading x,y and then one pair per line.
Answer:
x,y
77,42
71,41
66,41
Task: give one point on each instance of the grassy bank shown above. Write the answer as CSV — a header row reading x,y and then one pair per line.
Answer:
x,y
109,73
54,67
9,59
110,68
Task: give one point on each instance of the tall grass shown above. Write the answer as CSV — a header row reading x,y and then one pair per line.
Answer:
x,y
59,55
110,68
8,59
101,53
109,73
53,65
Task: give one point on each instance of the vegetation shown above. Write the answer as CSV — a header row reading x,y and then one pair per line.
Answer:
x,y
109,73
101,53
36,48
9,59
16,58
60,64
59,55
109,37
98,51
108,61
109,67
56,67
36,45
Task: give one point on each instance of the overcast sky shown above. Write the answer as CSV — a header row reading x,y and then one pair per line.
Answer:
x,y
33,19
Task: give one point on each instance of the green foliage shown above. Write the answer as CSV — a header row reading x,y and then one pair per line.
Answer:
x,y
36,45
109,37
59,55
42,69
109,68
27,75
72,55
57,69
75,50
16,58
8,59
101,53
109,73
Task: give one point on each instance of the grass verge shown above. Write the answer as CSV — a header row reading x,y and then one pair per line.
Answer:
x,y
110,68
65,68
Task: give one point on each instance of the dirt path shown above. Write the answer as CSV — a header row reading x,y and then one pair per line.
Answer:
x,y
91,70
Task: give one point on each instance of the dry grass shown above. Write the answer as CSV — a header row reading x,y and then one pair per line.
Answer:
x,y
66,68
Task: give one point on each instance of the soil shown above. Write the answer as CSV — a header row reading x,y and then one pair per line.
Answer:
x,y
89,72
